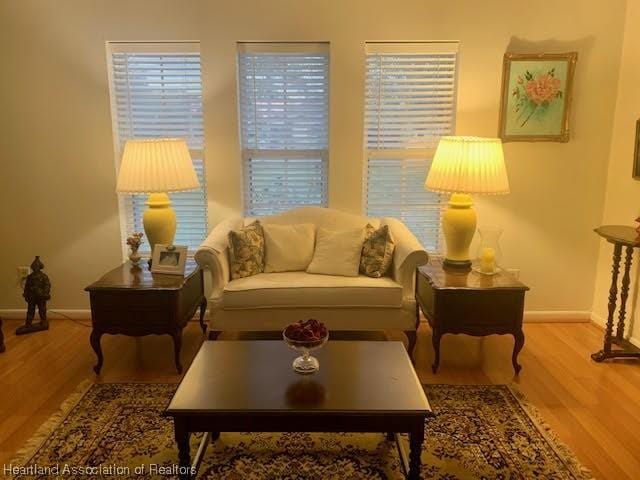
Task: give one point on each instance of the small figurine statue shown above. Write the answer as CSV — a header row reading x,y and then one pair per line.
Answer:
x,y
37,290
134,242
2,348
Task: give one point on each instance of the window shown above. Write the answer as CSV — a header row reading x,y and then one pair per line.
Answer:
x,y
410,103
284,125
156,91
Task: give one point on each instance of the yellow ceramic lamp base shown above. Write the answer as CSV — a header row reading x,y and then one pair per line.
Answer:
x,y
159,220
459,226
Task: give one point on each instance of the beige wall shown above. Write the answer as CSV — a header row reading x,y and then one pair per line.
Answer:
x,y
58,177
622,203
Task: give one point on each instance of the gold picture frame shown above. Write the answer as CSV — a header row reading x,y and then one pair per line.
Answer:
x,y
536,95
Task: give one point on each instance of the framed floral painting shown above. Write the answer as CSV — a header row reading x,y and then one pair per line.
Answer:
x,y
536,97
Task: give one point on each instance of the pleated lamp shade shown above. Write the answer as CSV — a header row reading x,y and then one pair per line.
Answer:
x,y
156,165
468,165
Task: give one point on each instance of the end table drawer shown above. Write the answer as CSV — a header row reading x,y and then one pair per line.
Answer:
x,y
130,300
482,311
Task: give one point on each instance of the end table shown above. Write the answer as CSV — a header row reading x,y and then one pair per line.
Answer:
x,y
620,236
130,300
464,301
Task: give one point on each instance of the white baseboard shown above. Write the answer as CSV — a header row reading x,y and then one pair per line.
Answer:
x,y
548,316
56,313
557,316
600,322
597,319
53,313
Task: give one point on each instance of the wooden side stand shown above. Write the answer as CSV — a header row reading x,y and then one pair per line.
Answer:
x,y
617,346
130,300
461,301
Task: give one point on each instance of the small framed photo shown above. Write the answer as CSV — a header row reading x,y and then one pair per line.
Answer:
x,y
169,259
636,153
536,97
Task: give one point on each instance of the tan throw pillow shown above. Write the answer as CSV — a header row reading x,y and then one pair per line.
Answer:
x,y
288,248
377,251
337,253
246,251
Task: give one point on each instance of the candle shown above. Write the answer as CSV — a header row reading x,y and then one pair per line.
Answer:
x,y
487,260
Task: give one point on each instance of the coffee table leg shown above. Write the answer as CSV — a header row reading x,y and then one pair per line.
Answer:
x,y
416,437
182,439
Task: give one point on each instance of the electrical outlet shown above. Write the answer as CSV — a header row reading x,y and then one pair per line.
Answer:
x,y
23,272
514,271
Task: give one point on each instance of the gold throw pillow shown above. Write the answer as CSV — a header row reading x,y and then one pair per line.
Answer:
x,y
246,251
377,251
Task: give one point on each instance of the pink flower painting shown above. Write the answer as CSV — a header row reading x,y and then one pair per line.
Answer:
x,y
534,93
536,96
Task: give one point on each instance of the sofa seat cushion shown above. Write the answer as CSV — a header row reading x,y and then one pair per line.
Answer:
x,y
301,289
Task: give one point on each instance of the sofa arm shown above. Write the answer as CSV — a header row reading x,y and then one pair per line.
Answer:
x,y
213,257
407,256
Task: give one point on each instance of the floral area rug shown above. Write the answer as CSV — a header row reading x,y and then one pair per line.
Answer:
x,y
117,431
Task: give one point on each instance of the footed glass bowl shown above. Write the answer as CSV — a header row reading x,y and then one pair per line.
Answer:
x,y
305,363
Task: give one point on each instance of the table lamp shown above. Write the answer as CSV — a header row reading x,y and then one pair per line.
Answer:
x,y
157,166
462,166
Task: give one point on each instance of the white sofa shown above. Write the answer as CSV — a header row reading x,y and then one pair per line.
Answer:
x,y
270,301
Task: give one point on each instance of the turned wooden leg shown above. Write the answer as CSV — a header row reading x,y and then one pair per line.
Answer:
x,y
184,455
203,309
613,293
412,336
416,437
435,340
94,339
177,346
624,294
2,347
519,343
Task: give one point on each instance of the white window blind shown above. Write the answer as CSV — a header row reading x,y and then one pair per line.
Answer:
x,y
410,103
156,92
284,123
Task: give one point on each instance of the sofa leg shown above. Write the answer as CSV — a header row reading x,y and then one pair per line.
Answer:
x,y
214,334
412,336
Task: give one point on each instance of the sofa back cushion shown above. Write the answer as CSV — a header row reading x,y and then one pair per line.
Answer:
x,y
337,252
288,248
328,218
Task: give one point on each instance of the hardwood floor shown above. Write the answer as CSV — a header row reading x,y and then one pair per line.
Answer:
x,y
594,408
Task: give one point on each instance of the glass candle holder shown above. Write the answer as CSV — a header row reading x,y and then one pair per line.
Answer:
x,y
489,253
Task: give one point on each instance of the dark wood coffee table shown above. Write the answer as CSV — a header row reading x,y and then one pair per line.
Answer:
x,y
250,386
130,300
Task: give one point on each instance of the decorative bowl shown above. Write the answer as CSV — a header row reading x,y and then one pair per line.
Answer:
x,y
305,363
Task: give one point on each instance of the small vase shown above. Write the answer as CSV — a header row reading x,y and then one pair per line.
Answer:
x,y
134,256
489,254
